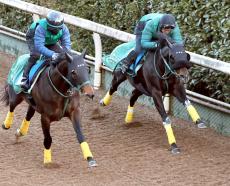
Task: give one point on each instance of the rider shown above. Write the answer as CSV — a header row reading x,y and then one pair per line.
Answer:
x,y
42,35
147,31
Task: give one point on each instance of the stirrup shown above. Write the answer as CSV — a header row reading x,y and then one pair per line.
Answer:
x,y
24,85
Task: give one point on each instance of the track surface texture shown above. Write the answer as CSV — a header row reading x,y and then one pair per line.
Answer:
x,y
136,154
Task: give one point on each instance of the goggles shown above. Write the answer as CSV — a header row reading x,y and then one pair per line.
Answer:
x,y
168,27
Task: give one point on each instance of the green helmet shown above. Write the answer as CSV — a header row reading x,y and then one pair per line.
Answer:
x,y
55,22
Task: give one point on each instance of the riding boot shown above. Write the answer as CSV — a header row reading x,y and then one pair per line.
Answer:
x,y
25,77
126,62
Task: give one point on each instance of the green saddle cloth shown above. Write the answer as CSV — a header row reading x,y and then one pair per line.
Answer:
x,y
120,52
16,71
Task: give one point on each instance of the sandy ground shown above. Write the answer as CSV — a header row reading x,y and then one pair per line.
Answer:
x,y
126,155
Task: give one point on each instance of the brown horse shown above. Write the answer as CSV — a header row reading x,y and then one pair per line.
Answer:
x,y
55,95
164,71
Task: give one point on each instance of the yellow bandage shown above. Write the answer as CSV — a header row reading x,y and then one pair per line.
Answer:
x,y
85,150
9,119
193,113
47,156
107,99
24,127
169,131
129,115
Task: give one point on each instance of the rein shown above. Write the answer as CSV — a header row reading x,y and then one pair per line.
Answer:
x,y
168,70
66,80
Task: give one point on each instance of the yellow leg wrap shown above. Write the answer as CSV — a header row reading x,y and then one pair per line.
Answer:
x,y
169,131
24,127
107,99
9,119
85,150
47,156
129,115
193,113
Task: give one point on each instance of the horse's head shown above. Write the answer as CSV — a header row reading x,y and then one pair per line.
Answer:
x,y
78,73
176,56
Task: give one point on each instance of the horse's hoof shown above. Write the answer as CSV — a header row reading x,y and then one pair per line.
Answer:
x,y
175,149
3,126
92,162
201,124
18,133
102,103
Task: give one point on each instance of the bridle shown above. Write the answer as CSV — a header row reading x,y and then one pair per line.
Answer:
x,y
168,70
71,89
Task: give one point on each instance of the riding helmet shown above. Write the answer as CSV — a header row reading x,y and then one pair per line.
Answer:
x,y
167,21
55,19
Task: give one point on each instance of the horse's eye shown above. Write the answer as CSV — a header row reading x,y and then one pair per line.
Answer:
x,y
74,73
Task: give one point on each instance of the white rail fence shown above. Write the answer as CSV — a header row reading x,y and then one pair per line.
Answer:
x,y
112,33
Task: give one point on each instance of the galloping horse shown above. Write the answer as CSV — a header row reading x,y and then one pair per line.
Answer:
x,y
164,71
56,94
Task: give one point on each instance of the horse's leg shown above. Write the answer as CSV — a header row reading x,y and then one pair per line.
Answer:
x,y
157,97
118,78
12,99
23,130
180,94
75,118
47,139
129,115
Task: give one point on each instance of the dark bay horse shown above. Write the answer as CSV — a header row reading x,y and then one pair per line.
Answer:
x,y
56,94
164,71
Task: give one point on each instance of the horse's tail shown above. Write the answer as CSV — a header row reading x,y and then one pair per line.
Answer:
x,y
5,96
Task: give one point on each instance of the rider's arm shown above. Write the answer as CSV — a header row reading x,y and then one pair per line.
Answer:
x,y
65,39
39,42
176,35
148,35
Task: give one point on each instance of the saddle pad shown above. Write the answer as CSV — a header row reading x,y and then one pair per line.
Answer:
x,y
118,53
16,72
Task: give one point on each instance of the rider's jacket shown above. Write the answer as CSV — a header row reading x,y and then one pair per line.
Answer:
x,y
42,37
151,27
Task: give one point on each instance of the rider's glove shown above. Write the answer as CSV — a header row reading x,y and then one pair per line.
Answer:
x,y
55,56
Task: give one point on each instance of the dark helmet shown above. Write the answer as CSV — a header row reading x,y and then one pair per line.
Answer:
x,y
55,19
167,21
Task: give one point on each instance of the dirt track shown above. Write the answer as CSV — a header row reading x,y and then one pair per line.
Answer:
x,y
126,155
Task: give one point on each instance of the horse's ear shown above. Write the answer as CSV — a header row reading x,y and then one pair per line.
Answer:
x,y
83,53
68,57
188,56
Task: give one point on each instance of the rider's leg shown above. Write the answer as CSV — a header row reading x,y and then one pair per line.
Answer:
x,y
25,77
134,53
32,60
126,62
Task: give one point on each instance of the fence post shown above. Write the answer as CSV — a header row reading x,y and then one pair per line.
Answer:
x,y
98,60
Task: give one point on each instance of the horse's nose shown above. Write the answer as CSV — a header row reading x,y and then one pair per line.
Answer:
x,y
88,91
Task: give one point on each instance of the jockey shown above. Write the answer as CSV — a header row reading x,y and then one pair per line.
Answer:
x,y
147,31
40,36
